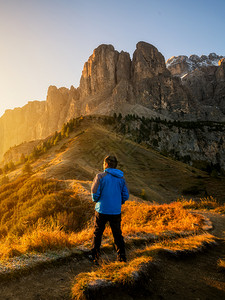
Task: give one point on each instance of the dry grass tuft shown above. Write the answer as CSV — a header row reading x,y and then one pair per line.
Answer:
x,y
190,243
40,240
157,218
202,203
220,209
115,272
221,264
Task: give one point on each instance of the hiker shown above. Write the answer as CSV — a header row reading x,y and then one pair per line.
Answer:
x,y
109,191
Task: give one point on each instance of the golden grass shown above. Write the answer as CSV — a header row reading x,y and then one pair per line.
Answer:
x,y
40,215
181,244
221,263
43,239
220,209
115,272
202,203
142,217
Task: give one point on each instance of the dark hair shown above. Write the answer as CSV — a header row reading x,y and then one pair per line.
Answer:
x,y
111,161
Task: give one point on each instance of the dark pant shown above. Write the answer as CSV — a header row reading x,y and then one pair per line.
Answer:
x,y
115,224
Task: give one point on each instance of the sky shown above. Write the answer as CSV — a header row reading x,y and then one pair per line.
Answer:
x,y
47,42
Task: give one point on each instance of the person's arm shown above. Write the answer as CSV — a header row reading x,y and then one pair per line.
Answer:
x,y
95,189
125,192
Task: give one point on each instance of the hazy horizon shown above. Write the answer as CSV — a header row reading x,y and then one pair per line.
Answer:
x,y
47,42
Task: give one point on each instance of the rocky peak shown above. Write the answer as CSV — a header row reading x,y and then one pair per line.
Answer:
x,y
147,62
152,83
181,65
99,71
57,97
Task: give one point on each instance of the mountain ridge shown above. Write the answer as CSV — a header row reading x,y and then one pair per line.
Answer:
x,y
113,82
182,65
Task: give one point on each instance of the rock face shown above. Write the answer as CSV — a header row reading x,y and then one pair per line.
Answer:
x,y
99,72
113,82
154,87
147,63
187,141
37,119
207,88
20,124
103,72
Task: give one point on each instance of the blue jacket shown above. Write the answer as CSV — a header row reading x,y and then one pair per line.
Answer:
x,y
109,191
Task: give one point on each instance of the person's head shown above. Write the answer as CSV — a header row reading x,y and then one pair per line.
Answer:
x,y
110,162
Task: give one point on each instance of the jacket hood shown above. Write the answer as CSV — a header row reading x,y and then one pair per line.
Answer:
x,y
114,172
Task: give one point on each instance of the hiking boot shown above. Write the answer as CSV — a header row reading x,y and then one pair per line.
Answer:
x,y
93,256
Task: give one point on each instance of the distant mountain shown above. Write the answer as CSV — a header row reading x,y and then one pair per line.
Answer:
x,y
113,82
182,65
204,78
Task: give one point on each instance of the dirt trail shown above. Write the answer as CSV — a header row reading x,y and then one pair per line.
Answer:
x,y
52,283
195,277
190,278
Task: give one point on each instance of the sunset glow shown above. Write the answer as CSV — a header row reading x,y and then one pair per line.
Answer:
x,y
47,42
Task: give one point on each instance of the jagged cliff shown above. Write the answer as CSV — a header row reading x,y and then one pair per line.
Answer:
x,y
113,82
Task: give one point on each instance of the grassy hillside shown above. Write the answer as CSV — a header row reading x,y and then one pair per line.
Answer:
x,y
78,154
49,208
149,175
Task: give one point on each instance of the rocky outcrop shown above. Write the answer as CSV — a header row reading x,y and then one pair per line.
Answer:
x,y
154,87
37,119
147,63
111,82
190,145
99,72
105,70
20,124
191,142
